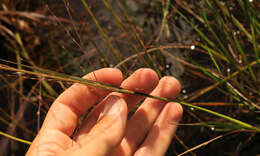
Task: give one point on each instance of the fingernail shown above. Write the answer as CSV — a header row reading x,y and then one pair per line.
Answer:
x,y
112,106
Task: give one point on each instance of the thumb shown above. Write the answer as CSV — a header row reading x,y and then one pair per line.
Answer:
x,y
109,129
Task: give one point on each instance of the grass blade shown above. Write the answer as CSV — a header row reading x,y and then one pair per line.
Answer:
x,y
74,79
15,138
115,52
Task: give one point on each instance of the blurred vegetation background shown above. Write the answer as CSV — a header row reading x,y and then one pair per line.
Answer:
x,y
210,46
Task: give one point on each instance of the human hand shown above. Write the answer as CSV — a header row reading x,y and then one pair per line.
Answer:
x,y
106,130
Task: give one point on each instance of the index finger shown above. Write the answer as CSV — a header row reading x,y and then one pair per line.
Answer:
x,y
66,110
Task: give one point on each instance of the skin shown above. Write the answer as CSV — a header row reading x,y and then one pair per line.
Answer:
x,y
106,130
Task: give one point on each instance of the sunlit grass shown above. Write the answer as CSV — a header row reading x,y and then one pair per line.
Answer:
x,y
216,42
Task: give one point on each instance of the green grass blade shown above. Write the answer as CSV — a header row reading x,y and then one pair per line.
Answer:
x,y
241,28
203,36
165,13
115,52
214,61
121,26
204,70
211,30
25,54
74,79
242,69
155,67
15,138
239,47
222,57
240,123
255,44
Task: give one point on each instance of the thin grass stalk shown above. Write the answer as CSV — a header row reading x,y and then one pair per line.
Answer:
x,y
236,94
161,48
155,67
164,20
18,59
239,47
241,28
210,28
115,52
245,77
247,100
183,144
203,36
227,32
204,70
204,144
15,138
121,26
231,76
24,52
19,125
222,57
190,11
206,47
67,3
27,57
214,76
255,44
214,61
238,85
243,124
17,92
74,79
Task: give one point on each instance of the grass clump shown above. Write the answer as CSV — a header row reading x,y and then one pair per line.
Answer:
x,y
211,46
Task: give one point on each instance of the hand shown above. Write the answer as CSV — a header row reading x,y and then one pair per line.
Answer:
x,y
106,130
